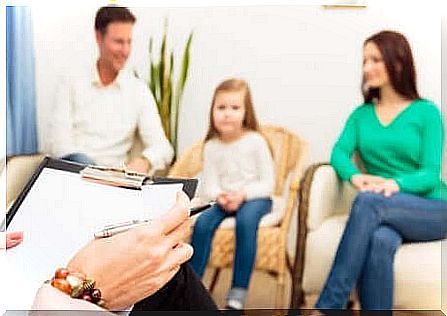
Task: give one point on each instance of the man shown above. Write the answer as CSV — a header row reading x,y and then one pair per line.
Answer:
x,y
96,116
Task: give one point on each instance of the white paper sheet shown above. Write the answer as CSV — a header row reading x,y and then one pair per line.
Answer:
x,y
59,216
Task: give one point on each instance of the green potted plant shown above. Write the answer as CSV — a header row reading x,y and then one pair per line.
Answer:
x,y
166,90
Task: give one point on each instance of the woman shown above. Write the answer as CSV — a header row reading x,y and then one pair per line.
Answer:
x,y
143,266
399,137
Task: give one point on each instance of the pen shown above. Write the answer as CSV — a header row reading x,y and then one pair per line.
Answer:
x,y
198,209
113,229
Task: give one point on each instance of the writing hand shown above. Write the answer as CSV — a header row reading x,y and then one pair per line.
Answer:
x,y
135,264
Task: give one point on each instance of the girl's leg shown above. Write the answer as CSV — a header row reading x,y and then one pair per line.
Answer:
x,y
202,237
376,284
248,217
412,217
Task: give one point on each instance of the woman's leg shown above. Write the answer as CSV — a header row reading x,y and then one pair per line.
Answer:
x,y
248,217
202,237
413,217
376,284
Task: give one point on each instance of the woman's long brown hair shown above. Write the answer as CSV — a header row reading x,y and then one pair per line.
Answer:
x,y
399,64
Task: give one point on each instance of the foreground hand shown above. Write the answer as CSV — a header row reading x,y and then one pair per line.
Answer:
x,y
363,182
140,165
135,264
13,239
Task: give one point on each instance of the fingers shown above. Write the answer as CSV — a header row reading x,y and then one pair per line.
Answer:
x,y
15,235
196,202
383,188
177,215
177,235
13,239
387,192
177,256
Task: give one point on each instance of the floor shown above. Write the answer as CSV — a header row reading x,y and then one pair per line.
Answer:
x,y
262,292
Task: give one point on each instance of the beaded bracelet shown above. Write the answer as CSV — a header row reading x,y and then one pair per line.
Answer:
x,y
77,285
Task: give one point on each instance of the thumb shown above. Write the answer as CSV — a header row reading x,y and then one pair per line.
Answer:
x,y
182,200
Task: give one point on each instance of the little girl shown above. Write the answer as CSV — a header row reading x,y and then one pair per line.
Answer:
x,y
238,174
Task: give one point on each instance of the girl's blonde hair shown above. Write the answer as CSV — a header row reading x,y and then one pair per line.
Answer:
x,y
232,85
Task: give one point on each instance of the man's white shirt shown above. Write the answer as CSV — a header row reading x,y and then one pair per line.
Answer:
x,y
101,121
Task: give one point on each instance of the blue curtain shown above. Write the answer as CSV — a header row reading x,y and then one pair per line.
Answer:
x,y
21,131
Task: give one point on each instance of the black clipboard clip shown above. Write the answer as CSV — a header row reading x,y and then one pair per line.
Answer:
x,y
115,176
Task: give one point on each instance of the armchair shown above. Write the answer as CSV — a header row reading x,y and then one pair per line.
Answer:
x,y
324,206
289,152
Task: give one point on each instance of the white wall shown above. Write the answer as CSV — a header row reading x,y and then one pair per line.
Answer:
x,y
302,62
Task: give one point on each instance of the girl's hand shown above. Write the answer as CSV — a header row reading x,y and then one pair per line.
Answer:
x,y
235,200
222,200
135,264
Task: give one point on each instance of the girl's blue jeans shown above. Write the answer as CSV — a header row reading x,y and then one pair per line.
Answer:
x,y
248,217
376,227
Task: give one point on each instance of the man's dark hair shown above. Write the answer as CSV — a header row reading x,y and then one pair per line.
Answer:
x,y
110,14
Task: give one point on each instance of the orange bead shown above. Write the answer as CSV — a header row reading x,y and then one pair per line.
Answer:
x,y
61,273
61,285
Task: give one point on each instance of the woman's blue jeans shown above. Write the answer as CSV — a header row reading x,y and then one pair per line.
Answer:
x,y
248,217
375,229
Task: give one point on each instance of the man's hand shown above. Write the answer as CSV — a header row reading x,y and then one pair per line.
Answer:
x,y
135,264
140,165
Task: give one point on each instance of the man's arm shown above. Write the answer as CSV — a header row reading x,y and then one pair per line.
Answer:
x,y
61,122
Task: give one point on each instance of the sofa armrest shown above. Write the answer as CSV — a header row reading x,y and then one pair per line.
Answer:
x,y
324,193
18,171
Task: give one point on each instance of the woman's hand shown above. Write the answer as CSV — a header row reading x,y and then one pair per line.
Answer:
x,y
376,184
135,264
387,187
364,182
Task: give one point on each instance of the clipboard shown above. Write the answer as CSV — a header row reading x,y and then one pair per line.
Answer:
x,y
189,185
57,225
